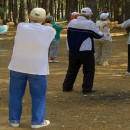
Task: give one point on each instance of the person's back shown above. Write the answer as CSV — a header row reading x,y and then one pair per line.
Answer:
x,y
80,34
31,43
82,23
103,25
58,29
85,31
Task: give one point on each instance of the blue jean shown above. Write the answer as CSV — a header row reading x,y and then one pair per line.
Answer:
x,y
53,49
37,84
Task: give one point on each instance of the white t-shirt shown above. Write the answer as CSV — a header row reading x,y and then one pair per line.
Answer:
x,y
125,25
103,25
30,52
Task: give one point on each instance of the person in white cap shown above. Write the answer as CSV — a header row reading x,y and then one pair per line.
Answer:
x,y
29,62
105,10
103,45
80,34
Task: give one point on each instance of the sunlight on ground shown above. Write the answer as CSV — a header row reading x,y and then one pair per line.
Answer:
x,y
118,34
112,34
58,73
63,35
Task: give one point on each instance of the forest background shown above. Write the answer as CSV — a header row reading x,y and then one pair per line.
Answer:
x,y
18,10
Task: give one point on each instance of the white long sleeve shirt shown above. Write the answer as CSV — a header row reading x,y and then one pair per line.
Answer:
x,y
125,25
103,25
30,52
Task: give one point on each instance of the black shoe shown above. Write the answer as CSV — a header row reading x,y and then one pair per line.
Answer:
x,y
67,90
88,91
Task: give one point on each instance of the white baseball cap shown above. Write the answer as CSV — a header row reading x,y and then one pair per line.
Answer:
x,y
86,11
38,13
104,15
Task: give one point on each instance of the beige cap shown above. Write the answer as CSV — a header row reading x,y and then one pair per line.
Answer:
x,y
38,13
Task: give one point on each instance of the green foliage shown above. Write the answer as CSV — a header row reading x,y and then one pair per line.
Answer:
x,y
2,10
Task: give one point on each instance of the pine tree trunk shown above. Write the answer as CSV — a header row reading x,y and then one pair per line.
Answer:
x,y
58,10
127,9
51,7
62,9
15,12
23,10
29,4
93,5
4,15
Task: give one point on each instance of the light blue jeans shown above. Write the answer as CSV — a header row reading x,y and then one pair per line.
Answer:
x,y
37,84
53,49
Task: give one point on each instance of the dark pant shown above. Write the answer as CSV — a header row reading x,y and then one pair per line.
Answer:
x,y
75,61
128,58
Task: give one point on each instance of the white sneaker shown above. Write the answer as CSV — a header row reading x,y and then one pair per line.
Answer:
x,y
127,73
1,39
45,123
15,125
53,61
50,61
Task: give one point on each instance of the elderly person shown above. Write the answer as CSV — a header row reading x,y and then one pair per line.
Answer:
x,y
29,62
53,50
103,46
80,34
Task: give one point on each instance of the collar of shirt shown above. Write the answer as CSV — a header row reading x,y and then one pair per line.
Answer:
x,y
82,18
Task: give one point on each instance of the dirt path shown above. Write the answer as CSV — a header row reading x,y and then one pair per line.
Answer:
x,y
106,109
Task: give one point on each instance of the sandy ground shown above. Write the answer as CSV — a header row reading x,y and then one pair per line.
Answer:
x,y
106,109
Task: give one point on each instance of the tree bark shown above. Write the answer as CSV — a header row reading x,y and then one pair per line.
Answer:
x,y
93,5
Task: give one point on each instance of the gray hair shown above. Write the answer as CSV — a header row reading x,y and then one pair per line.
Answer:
x,y
49,19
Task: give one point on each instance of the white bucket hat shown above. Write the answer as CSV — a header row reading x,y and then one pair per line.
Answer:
x,y
38,13
104,16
